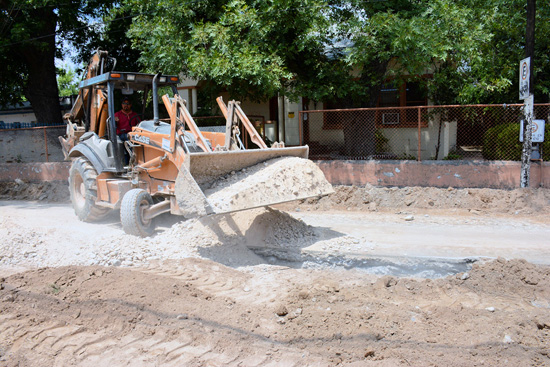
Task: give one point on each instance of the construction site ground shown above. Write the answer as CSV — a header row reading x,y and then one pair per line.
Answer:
x,y
366,277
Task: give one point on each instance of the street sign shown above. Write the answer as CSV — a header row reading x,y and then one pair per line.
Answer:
x,y
524,71
538,131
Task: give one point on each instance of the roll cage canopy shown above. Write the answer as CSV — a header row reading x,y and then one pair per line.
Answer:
x,y
136,81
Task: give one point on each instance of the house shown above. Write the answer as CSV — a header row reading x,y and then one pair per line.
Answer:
x,y
402,123
22,115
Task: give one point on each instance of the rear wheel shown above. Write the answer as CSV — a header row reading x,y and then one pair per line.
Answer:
x,y
132,212
83,191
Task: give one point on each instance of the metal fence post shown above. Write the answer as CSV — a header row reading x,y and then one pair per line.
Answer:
x,y
419,137
46,144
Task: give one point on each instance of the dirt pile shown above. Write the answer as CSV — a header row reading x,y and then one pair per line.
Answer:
x,y
56,192
368,198
196,312
518,201
274,181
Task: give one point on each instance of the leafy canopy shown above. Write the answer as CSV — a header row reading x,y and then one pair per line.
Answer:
x,y
67,81
33,31
253,48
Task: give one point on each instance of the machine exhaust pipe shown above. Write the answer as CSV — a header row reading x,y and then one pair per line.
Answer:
x,y
156,100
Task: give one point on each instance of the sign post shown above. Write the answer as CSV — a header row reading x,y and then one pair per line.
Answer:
x,y
524,71
528,98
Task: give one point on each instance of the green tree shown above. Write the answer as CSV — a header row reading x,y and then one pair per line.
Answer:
x,y
254,49
112,37
31,37
67,82
489,74
313,48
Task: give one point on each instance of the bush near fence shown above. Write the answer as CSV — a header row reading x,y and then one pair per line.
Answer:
x,y
502,143
471,132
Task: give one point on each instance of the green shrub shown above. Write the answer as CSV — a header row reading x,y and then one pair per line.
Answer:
x,y
502,143
381,142
453,156
508,145
490,142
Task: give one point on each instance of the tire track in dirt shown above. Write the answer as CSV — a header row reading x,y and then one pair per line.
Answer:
x,y
209,277
54,341
67,326
190,313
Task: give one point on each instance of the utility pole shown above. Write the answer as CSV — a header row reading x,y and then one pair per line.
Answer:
x,y
529,100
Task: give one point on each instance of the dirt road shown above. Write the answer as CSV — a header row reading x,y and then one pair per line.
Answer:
x,y
316,284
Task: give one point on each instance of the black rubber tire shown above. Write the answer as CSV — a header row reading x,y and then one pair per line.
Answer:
x,y
83,191
131,213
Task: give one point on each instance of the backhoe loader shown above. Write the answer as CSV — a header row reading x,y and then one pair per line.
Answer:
x,y
169,164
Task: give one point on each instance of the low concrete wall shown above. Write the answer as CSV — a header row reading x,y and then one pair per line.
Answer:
x,y
491,174
498,175
35,172
30,145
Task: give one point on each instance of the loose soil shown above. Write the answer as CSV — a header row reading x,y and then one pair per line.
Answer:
x,y
196,294
51,192
352,198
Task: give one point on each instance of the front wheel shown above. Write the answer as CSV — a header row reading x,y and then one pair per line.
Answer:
x,y
83,191
132,210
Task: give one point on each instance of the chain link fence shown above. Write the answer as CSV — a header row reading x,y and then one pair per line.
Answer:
x,y
469,132
29,145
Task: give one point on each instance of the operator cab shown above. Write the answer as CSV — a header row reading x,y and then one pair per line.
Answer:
x,y
96,115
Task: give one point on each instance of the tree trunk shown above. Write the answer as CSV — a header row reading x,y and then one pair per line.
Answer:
x,y
39,56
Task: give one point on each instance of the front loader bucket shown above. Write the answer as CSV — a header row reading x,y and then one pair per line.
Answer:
x,y
224,182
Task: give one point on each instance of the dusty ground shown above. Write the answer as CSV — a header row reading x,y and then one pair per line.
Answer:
x,y
196,294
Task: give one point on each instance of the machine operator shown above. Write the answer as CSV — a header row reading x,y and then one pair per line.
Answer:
x,y
125,119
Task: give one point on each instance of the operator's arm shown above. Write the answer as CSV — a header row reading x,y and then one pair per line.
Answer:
x,y
118,119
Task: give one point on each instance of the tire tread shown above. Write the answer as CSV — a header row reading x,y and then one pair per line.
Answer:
x,y
130,213
91,211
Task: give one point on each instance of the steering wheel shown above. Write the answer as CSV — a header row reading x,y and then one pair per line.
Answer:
x,y
139,115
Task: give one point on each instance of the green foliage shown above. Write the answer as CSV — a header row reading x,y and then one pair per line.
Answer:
x,y
490,142
415,38
318,49
507,146
492,77
381,141
343,49
252,49
67,82
31,37
453,156
502,143
112,37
